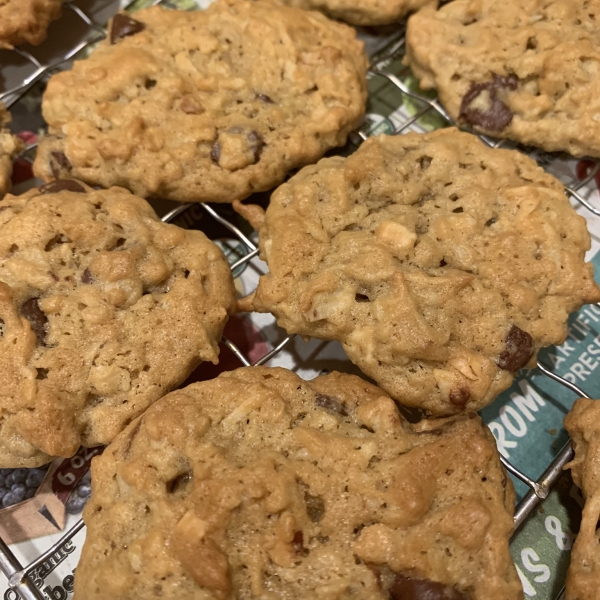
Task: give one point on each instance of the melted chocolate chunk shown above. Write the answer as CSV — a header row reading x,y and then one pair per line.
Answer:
x,y
256,144
498,115
361,298
58,163
215,153
179,482
408,588
86,277
315,508
518,351
331,404
32,312
460,397
124,26
298,542
41,373
62,185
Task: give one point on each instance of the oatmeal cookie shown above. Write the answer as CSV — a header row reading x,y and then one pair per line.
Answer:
x,y
10,146
364,12
441,265
583,425
523,70
103,310
205,106
26,21
258,484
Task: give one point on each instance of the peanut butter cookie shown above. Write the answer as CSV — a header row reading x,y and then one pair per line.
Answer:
x,y
258,484
103,310
441,265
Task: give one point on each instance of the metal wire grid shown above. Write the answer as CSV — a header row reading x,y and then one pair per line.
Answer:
x,y
539,489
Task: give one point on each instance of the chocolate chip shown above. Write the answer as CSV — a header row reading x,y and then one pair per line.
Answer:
x,y
59,163
178,483
123,26
490,222
215,153
264,98
32,312
409,588
86,277
460,397
41,373
498,115
518,351
361,298
256,144
62,185
298,542
315,507
331,404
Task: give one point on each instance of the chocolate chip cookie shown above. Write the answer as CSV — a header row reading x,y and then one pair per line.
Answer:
x,y
527,71
364,12
26,21
10,146
441,265
205,106
103,310
258,484
583,425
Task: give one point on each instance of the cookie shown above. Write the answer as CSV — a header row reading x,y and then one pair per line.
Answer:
x,y
526,71
364,12
205,106
26,21
441,265
103,310
258,484
10,146
583,425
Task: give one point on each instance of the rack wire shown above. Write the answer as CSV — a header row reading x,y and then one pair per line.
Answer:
x,y
539,489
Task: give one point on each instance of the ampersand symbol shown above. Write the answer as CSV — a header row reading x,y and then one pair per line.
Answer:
x,y
564,539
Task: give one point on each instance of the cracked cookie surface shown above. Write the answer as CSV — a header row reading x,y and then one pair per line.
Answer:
x,y
528,71
583,425
26,21
10,146
103,310
441,265
258,484
364,12
206,105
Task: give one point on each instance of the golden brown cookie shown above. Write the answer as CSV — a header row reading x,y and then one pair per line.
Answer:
x,y
207,105
441,265
26,21
364,12
583,425
103,310
258,484
526,70
10,146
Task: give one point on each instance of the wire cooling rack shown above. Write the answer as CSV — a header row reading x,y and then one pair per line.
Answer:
x,y
37,69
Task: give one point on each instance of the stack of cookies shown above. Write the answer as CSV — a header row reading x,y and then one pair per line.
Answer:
x,y
442,266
